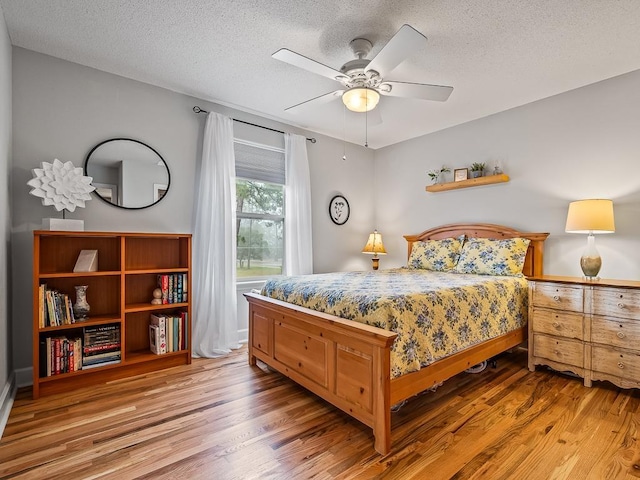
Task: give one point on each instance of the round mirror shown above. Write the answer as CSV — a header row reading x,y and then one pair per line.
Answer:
x,y
127,173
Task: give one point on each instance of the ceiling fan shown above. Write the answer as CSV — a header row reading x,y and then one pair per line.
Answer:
x,y
363,80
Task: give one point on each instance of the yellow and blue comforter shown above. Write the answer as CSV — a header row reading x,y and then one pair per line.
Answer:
x,y
435,314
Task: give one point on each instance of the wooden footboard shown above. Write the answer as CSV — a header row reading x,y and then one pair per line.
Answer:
x,y
344,362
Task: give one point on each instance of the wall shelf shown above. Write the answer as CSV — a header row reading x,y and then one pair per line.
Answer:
x,y
471,182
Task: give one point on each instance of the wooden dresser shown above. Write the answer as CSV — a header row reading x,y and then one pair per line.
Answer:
x,y
590,328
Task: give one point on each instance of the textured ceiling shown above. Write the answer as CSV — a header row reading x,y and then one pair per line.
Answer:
x,y
497,54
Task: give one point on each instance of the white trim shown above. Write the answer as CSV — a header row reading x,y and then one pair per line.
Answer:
x,y
243,336
258,145
6,401
24,377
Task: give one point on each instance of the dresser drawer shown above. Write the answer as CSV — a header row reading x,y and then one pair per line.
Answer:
x,y
617,302
616,332
561,350
559,297
617,362
553,322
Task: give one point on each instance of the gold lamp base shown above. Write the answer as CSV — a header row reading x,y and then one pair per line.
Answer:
x,y
591,266
590,262
376,262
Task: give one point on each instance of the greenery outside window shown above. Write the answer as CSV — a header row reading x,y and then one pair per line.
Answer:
x,y
259,210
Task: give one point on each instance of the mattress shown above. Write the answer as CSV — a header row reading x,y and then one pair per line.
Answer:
x,y
435,314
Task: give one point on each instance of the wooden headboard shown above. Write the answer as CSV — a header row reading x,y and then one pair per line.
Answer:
x,y
533,261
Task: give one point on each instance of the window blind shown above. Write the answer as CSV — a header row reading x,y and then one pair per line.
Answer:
x,y
259,163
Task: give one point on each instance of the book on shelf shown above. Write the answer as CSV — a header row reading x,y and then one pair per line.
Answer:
x,y
163,284
178,290
173,287
59,355
100,359
184,287
102,364
168,333
158,334
87,261
101,345
54,308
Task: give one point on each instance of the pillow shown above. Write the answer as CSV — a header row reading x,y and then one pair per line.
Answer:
x,y
485,256
438,255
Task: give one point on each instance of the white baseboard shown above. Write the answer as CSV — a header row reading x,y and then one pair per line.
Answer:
x,y
243,335
6,401
24,377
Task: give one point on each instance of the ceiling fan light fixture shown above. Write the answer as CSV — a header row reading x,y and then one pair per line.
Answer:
x,y
360,99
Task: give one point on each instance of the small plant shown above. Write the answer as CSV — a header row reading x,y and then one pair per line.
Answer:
x,y
477,167
434,175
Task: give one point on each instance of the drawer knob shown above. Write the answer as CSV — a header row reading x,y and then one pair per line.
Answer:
x,y
556,324
557,298
620,305
620,334
620,365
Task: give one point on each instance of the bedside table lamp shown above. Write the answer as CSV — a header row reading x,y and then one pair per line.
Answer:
x,y
375,246
590,216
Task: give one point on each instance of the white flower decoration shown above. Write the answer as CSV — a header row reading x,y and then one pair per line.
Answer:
x,y
61,185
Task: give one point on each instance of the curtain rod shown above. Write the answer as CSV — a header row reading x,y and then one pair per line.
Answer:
x,y
197,109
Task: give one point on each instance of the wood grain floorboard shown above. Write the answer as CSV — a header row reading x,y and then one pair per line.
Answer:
x,y
222,419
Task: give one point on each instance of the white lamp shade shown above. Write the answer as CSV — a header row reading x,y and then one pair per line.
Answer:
x,y
360,99
590,216
374,244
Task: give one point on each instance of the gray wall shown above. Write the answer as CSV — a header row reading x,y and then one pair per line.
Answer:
x,y
61,110
5,202
577,145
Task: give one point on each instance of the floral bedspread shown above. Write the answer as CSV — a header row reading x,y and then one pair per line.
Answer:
x,y
435,314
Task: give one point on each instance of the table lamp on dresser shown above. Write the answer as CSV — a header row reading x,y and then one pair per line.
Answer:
x,y
590,217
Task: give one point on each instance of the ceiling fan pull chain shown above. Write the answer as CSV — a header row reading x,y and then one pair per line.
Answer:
x,y
344,130
366,122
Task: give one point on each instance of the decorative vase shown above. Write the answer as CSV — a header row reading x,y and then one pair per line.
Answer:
x,y
81,306
476,173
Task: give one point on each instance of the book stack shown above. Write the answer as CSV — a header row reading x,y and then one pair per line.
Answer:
x,y
173,287
60,355
55,308
101,346
168,333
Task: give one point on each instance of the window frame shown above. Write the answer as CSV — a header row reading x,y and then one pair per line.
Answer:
x,y
262,216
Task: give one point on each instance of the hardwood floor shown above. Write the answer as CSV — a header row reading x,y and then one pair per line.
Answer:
x,y
221,419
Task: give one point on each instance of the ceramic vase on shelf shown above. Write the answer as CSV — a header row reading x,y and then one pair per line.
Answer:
x,y
81,306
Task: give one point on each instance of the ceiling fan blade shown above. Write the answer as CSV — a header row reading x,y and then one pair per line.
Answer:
x,y
300,61
439,93
403,43
320,100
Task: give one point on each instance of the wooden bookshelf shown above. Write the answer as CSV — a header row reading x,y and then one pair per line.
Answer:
x,y
471,182
119,293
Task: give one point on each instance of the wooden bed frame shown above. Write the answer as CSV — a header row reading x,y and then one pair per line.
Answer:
x,y
348,363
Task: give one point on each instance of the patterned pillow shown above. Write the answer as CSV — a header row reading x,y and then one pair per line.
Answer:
x,y
485,256
438,255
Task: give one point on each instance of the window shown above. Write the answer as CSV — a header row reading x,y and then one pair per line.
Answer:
x,y
260,178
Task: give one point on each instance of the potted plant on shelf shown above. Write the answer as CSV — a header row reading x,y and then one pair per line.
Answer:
x,y
436,176
477,169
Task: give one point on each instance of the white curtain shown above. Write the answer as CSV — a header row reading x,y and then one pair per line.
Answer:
x,y
298,247
215,327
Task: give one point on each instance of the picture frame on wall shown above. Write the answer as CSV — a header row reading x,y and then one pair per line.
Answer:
x,y
339,210
460,174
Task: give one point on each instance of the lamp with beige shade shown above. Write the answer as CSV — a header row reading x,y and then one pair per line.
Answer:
x,y
376,247
591,217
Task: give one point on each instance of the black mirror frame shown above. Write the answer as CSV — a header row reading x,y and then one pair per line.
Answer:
x,y
86,161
